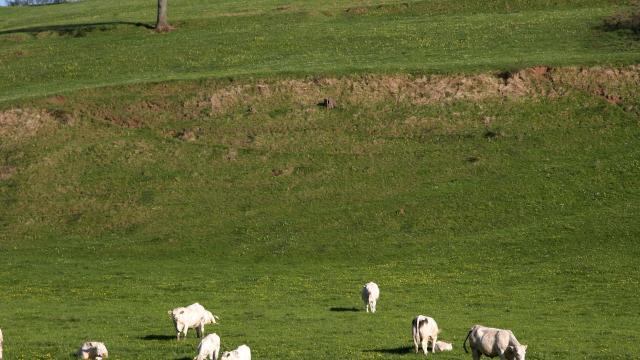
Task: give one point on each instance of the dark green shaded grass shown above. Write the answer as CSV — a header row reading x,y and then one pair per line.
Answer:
x,y
534,228
40,54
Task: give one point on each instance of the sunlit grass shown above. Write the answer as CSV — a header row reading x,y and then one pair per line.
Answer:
x,y
39,54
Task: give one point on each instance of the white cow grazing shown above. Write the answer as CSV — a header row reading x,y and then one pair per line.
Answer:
x,y
494,342
424,329
1,343
192,316
241,353
209,348
370,295
442,346
93,350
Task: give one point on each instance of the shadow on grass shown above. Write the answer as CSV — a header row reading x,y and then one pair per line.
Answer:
x,y
344,309
628,20
402,350
158,337
184,358
74,30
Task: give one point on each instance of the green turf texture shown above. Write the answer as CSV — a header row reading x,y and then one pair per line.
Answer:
x,y
274,219
520,214
93,43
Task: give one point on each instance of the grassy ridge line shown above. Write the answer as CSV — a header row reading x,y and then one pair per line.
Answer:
x,y
300,44
157,108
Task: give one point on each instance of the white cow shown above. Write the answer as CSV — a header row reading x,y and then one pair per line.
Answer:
x,y
93,350
209,348
241,353
442,346
192,316
424,329
494,342
1,343
370,295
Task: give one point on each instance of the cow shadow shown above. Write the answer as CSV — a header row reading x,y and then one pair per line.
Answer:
x,y
156,337
184,358
401,350
74,30
344,309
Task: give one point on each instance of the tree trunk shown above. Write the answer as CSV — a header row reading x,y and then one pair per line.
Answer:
x,y
162,25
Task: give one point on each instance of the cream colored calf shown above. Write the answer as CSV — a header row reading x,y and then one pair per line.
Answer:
x,y
92,350
370,295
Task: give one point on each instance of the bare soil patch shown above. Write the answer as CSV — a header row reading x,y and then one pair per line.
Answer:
x,y
17,124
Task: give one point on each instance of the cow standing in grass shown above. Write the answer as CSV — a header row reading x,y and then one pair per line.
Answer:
x,y
493,342
370,295
209,348
424,329
192,316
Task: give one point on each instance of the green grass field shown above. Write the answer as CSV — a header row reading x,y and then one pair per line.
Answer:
x,y
96,43
207,172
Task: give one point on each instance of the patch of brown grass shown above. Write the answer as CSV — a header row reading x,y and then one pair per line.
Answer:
x,y
16,124
188,135
6,172
616,86
357,10
18,37
539,81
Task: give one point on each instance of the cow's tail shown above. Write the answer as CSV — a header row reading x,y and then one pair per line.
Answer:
x,y
415,330
464,343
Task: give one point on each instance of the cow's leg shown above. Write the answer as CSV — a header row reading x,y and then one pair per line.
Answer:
x,y
502,356
425,346
184,332
200,330
367,307
475,354
416,346
216,352
433,343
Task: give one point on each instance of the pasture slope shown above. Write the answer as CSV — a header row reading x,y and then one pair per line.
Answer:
x,y
482,166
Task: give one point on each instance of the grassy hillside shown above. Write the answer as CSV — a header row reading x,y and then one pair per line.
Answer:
x,y
512,203
208,172
93,43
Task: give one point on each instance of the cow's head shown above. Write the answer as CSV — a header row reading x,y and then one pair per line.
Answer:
x,y
517,352
208,318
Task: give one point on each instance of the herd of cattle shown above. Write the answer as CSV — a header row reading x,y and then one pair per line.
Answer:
x,y
482,340
486,341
